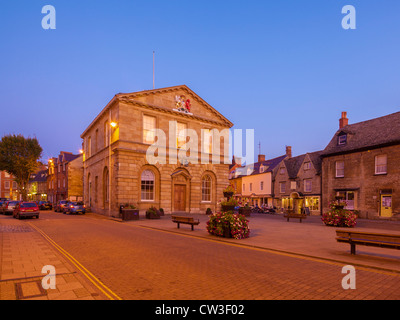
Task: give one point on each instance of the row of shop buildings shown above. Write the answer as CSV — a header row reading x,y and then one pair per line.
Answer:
x,y
168,148
360,165
60,179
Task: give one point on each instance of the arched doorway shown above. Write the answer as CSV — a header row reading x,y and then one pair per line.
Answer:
x,y
180,201
298,202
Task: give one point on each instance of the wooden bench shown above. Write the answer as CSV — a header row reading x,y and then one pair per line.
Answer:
x,y
294,216
185,220
390,241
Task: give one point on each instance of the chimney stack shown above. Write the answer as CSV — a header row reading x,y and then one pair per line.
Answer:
x,y
236,160
343,121
261,157
289,151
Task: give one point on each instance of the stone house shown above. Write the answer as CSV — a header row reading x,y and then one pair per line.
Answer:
x,y
255,183
8,186
165,148
298,183
361,165
38,185
65,177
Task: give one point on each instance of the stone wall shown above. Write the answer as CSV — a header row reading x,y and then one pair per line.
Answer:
x,y
359,175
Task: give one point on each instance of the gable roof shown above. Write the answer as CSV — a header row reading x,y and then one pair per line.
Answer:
x,y
316,160
40,176
131,98
293,165
378,132
270,165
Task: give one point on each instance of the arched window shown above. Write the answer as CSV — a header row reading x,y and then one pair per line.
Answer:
x,y
206,183
147,185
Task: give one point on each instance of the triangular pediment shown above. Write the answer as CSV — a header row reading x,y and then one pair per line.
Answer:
x,y
179,99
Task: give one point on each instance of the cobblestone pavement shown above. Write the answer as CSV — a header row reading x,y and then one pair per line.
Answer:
x,y
23,254
148,260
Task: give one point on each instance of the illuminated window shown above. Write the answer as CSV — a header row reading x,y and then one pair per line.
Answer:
x,y
312,203
206,188
149,127
180,135
147,185
207,140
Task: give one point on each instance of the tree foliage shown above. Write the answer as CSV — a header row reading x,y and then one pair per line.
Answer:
x,y
19,156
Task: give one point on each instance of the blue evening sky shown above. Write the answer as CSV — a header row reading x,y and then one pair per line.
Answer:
x,y
284,68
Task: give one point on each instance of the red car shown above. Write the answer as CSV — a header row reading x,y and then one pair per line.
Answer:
x,y
26,209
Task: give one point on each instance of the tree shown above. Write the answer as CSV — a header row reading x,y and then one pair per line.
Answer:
x,y
19,156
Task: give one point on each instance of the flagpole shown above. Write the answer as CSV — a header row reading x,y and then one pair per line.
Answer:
x,y
153,72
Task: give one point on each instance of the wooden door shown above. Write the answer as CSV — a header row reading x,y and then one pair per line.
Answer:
x,y
179,197
386,205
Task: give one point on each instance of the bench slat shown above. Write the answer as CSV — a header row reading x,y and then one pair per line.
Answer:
x,y
390,241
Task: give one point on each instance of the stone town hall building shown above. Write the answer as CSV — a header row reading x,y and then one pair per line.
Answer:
x,y
174,125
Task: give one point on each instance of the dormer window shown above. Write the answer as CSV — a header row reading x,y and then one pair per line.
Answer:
x,y
342,139
262,169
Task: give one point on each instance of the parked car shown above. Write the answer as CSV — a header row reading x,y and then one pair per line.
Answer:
x,y
26,209
8,207
75,207
60,205
45,205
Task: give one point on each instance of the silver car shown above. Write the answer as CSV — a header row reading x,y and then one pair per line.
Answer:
x,y
9,206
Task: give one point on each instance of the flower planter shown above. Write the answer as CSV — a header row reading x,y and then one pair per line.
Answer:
x,y
152,215
226,208
130,214
228,225
245,211
227,231
228,194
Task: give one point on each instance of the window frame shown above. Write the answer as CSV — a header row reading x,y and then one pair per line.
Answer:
x,y
342,140
337,169
206,185
307,182
148,187
181,137
146,130
380,165
282,184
